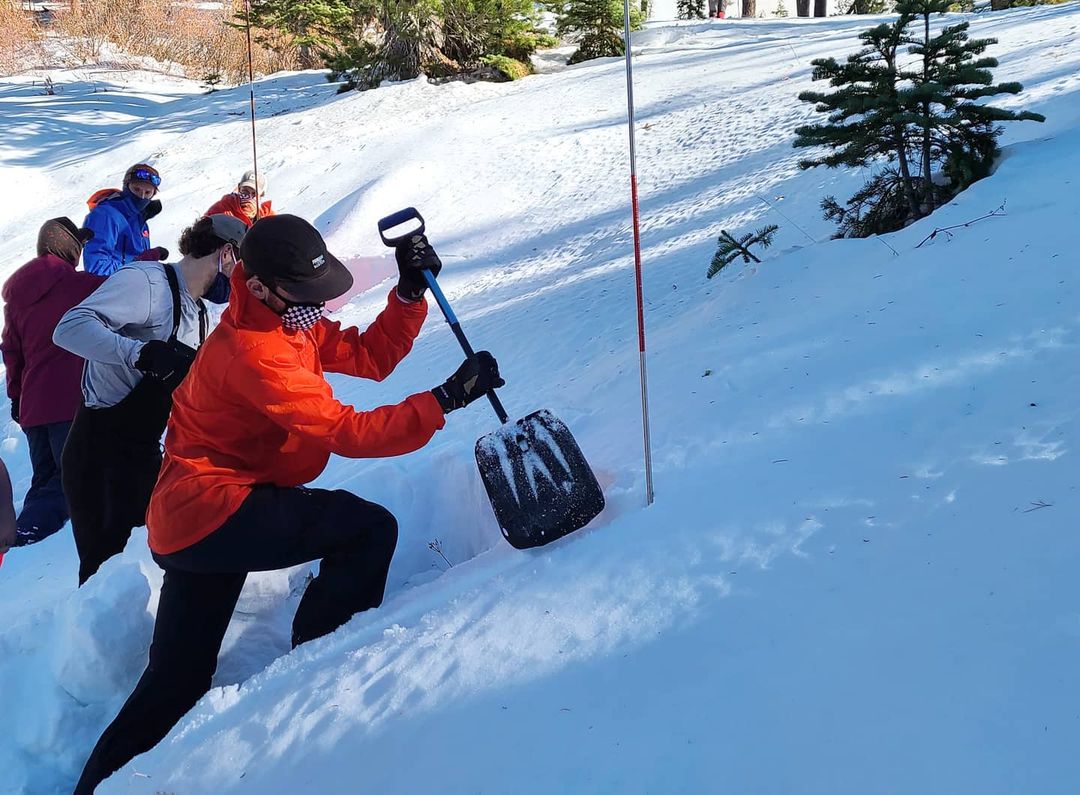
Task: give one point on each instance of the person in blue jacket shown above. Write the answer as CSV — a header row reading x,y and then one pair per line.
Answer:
x,y
118,221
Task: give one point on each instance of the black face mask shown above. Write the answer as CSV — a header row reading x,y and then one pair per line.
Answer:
x,y
299,316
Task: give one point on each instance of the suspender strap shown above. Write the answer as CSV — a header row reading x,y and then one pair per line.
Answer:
x,y
174,288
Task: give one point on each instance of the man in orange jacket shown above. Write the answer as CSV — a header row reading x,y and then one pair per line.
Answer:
x,y
252,423
245,202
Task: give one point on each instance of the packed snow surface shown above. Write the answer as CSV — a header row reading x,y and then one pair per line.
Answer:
x,y
859,574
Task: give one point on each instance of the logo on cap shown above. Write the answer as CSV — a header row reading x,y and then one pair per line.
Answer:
x,y
318,262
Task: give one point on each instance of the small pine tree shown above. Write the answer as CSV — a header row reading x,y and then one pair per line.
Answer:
x,y
781,10
866,119
599,24
211,81
690,9
315,27
866,7
917,115
950,76
730,248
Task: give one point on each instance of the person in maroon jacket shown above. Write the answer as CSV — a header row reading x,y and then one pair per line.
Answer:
x,y
43,379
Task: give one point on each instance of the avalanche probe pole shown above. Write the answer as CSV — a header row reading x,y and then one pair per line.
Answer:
x,y
251,88
637,262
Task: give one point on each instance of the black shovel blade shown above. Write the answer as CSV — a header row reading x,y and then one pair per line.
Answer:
x,y
538,481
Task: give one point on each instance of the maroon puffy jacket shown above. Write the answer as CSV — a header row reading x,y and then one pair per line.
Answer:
x,y
43,377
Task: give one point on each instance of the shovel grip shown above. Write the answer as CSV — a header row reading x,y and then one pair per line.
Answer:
x,y
455,326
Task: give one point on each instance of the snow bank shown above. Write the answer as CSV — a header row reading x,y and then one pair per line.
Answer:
x,y
857,573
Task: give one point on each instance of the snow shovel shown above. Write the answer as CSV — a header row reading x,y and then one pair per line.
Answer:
x,y
539,483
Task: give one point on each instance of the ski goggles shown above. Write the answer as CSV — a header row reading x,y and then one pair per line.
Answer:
x,y
146,175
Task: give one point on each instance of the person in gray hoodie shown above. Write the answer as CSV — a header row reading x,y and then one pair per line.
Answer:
x,y
138,334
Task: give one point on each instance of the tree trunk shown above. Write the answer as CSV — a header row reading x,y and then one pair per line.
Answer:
x,y
928,176
749,8
802,8
905,177
821,8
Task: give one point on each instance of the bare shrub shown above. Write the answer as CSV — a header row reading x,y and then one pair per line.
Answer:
x,y
19,37
201,41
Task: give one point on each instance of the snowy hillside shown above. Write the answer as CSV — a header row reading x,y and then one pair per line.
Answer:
x,y
859,572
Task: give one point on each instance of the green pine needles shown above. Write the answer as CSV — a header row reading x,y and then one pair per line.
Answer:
x,y
911,102
690,9
598,25
731,248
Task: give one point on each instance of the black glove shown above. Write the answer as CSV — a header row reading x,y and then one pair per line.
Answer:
x,y
15,409
167,362
153,209
414,256
156,254
478,375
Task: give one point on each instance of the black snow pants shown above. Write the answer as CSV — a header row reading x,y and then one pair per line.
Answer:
x,y
111,463
273,529
44,509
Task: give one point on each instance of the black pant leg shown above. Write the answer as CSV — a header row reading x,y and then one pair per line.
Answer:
x,y
108,477
193,614
352,577
280,527
84,479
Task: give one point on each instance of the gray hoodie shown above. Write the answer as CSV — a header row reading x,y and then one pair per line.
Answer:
x,y
108,329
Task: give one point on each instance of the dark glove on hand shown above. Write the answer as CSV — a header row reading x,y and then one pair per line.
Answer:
x,y
477,376
414,256
156,254
153,209
15,409
168,362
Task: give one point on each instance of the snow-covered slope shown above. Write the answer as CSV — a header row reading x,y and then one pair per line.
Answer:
x,y
846,583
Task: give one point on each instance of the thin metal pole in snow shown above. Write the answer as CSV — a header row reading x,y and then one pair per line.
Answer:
x,y
251,88
637,263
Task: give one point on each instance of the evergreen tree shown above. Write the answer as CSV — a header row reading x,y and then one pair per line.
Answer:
x,y
731,248
315,27
866,7
866,121
599,25
949,78
690,9
473,29
921,115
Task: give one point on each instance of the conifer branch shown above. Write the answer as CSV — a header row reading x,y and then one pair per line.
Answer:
x,y
730,249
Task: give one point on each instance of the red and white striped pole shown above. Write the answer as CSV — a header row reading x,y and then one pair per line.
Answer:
x,y
637,263
251,90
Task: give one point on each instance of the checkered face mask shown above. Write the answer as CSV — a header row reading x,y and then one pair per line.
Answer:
x,y
301,317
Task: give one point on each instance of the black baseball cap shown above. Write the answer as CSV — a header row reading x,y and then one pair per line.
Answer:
x,y
287,251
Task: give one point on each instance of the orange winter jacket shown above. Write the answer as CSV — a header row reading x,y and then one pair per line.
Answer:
x,y
229,204
255,408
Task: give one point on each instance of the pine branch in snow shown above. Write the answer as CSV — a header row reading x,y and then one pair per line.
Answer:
x,y
730,248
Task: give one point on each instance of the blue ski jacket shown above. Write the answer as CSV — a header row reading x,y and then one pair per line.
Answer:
x,y
120,234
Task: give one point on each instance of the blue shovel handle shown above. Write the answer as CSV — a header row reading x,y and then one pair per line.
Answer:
x,y
412,214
